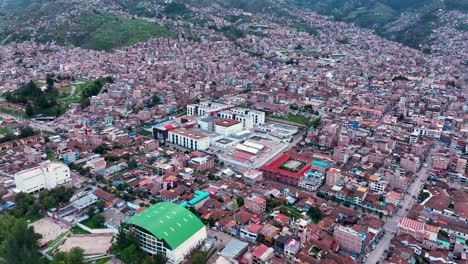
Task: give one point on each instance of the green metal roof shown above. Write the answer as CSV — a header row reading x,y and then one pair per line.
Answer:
x,y
168,221
320,163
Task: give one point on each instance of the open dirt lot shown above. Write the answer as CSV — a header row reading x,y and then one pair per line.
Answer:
x,y
49,229
91,244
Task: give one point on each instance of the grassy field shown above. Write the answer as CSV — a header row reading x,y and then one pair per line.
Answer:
x,y
103,260
294,118
78,231
5,130
144,132
75,97
91,223
14,112
33,218
105,32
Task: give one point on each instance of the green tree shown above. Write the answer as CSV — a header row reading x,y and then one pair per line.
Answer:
x,y
240,201
315,214
24,205
91,212
100,205
74,256
29,110
98,220
401,117
132,164
7,222
49,81
100,150
130,254
21,244
159,259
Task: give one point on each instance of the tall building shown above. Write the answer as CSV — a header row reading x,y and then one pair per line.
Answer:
x,y
46,176
349,239
189,139
333,177
255,204
168,229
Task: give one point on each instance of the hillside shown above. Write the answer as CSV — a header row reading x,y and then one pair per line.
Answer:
x,y
111,24
407,22
99,25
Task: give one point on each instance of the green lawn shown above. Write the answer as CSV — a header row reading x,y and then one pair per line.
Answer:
x,y
78,231
294,118
66,89
5,130
105,32
90,223
103,260
76,96
14,112
33,218
144,132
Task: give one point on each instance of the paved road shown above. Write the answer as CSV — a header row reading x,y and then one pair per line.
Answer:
x,y
45,126
222,239
391,223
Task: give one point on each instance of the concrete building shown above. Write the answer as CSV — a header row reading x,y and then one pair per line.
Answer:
x,y
168,229
206,108
410,162
255,204
97,165
349,239
46,176
333,177
189,139
227,126
340,154
251,176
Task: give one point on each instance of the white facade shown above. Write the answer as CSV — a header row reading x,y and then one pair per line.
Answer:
x,y
248,117
189,139
46,176
378,187
227,130
205,108
153,246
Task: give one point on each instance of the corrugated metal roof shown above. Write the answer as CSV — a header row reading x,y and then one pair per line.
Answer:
x,y
168,221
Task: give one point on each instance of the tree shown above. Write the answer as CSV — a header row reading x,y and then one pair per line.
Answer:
x,y
315,214
130,254
49,81
401,117
29,110
132,164
24,205
26,131
100,150
100,205
74,256
98,220
91,211
240,201
159,259
7,222
21,244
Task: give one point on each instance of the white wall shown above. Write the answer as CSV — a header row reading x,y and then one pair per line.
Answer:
x,y
46,176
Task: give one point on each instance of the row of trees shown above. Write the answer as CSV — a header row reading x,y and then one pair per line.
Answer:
x,y
27,206
19,245
93,89
36,100
126,249
24,132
